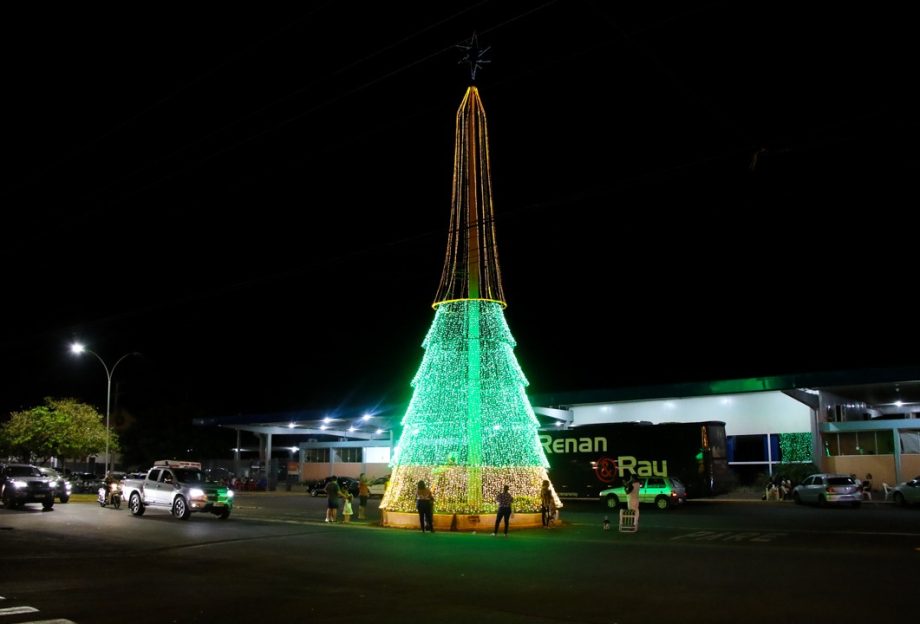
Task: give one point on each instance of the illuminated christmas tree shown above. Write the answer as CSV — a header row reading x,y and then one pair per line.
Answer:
x,y
469,428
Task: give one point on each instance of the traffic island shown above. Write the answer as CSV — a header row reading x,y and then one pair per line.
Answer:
x,y
460,522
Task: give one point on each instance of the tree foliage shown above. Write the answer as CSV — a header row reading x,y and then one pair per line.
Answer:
x,y
63,428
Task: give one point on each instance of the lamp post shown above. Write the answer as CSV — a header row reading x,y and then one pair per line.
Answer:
x,y
78,349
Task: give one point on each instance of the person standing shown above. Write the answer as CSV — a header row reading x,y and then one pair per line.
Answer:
x,y
504,501
632,498
332,498
866,486
346,506
363,493
424,503
547,505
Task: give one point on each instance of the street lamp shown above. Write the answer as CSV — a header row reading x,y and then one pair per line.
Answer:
x,y
78,349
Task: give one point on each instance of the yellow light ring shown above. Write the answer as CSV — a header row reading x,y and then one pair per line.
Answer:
x,y
435,305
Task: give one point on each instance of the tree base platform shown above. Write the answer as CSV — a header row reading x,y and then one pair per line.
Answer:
x,y
460,522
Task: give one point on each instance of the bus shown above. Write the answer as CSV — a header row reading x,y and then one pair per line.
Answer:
x,y
589,458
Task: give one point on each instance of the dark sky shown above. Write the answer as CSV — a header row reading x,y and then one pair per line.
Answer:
x,y
257,200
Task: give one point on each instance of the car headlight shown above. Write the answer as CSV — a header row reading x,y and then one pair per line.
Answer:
x,y
67,486
196,493
19,484
229,493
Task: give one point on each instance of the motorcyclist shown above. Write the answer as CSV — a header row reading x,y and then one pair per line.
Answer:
x,y
107,484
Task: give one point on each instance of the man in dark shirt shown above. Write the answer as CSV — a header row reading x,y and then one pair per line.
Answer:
x,y
332,499
504,501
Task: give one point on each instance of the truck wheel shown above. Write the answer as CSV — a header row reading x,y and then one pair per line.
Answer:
x,y
48,503
662,503
135,504
181,509
64,499
223,514
611,502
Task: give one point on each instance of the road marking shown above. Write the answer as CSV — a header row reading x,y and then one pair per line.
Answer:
x,y
729,536
18,610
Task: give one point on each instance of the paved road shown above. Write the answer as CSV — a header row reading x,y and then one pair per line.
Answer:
x,y
276,561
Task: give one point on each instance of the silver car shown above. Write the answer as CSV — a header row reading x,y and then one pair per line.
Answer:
x,y
828,489
907,493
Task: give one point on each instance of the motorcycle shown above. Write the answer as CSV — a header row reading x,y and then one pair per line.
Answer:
x,y
112,495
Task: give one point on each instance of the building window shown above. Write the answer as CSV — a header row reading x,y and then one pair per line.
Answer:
x,y
316,456
865,442
910,442
349,455
831,445
848,444
884,443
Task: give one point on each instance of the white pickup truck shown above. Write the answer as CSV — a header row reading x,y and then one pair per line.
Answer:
x,y
180,488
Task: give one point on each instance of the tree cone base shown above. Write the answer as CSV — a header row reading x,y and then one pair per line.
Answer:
x,y
461,522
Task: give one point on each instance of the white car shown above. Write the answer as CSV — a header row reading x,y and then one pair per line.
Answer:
x,y
907,493
663,492
378,486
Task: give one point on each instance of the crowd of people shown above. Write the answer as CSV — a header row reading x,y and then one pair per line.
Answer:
x,y
336,494
425,503
780,488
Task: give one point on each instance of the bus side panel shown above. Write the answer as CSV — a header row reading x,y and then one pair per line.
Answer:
x,y
585,460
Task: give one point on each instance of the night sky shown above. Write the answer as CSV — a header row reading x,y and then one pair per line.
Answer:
x,y
258,200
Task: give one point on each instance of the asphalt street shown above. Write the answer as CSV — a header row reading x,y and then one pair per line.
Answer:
x,y
275,560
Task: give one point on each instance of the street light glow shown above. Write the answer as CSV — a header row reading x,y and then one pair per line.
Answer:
x,y
78,348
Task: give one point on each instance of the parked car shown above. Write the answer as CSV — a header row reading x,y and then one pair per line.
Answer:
x,y
345,483
663,492
828,489
378,486
62,485
907,493
24,483
86,482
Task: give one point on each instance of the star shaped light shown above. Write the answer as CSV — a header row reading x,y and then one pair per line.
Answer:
x,y
474,55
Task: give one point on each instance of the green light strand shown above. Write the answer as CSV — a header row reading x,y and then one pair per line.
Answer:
x,y
474,407
795,447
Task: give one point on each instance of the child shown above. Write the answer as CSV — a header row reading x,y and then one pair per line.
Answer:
x,y
346,511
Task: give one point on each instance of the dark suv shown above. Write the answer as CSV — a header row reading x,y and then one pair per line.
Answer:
x,y
345,483
62,485
24,483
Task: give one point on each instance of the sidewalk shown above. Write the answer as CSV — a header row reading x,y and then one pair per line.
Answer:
x,y
749,496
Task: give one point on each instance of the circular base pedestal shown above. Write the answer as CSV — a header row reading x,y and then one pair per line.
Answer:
x,y
460,522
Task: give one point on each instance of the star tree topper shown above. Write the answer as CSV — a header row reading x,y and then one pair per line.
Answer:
x,y
475,56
